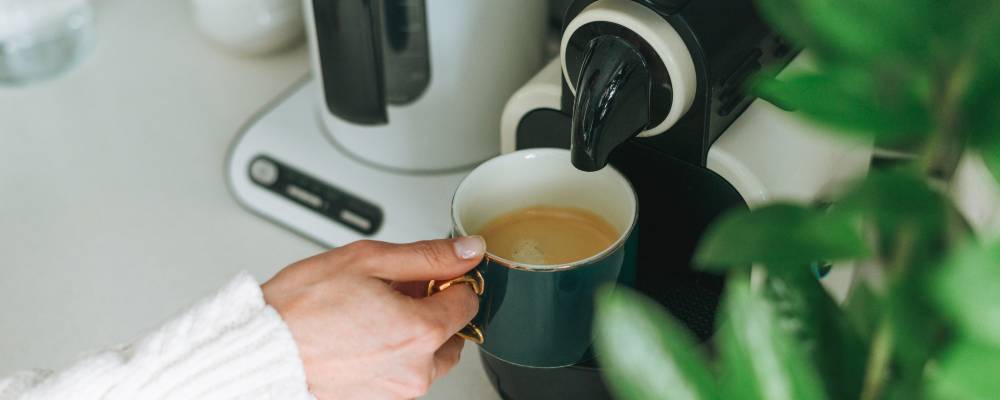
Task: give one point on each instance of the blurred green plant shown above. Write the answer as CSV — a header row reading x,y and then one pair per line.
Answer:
x,y
923,75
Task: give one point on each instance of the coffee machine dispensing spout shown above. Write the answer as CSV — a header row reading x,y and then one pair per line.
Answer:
x,y
612,103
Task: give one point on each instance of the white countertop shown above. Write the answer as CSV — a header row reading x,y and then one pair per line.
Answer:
x,y
114,211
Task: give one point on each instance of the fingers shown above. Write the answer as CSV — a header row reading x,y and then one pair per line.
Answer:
x,y
415,290
446,357
420,261
449,310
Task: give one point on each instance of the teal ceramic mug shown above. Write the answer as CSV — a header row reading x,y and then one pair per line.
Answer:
x,y
540,315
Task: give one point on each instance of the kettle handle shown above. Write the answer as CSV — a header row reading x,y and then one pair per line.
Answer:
x,y
349,46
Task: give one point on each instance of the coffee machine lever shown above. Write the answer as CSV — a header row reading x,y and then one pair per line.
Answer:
x,y
612,100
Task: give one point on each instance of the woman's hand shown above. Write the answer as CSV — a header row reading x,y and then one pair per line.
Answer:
x,y
363,328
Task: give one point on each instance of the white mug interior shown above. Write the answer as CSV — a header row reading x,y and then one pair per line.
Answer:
x,y
542,177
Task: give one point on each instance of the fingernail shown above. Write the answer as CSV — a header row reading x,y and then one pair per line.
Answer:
x,y
469,247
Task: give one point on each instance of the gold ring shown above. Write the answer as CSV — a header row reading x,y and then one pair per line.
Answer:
x,y
475,280
470,332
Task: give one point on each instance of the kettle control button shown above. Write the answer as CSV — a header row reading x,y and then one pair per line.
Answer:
x,y
304,196
264,172
355,220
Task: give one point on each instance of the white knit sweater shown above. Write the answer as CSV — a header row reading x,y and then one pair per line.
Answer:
x,y
229,346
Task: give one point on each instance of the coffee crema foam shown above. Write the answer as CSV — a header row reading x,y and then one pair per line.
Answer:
x,y
547,235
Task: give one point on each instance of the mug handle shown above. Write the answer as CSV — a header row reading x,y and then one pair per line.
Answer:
x,y
470,332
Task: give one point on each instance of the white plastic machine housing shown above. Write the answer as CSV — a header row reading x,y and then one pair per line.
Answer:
x,y
415,206
480,52
767,155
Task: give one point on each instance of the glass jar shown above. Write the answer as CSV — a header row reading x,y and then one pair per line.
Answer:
x,y
42,38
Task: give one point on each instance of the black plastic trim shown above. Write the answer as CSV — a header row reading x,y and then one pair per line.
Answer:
x,y
331,202
349,42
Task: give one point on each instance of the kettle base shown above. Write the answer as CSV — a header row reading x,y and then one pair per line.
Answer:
x,y
311,186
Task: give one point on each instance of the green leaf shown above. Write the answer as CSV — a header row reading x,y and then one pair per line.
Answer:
x,y
811,316
905,216
645,353
894,195
968,370
980,106
854,30
900,202
780,234
991,156
857,100
968,291
965,24
917,328
760,359
863,309
980,112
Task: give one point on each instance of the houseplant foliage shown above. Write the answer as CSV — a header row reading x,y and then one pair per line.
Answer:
x,y
919,75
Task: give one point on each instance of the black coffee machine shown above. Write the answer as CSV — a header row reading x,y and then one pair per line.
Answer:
x,y
656,88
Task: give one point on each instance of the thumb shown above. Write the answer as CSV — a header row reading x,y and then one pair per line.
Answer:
x,y
423,260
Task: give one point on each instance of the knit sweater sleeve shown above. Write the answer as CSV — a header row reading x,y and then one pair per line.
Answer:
x,y
228,346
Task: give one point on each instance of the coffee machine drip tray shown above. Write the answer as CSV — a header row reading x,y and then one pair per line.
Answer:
x,y
285,168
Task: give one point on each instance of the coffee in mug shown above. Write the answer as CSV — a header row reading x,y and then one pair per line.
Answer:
x,y
548,235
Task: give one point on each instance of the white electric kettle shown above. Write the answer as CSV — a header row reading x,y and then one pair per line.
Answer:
x,y
417,85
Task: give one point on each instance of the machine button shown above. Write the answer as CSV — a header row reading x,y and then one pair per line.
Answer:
x,y
304,196
264,172
355,220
